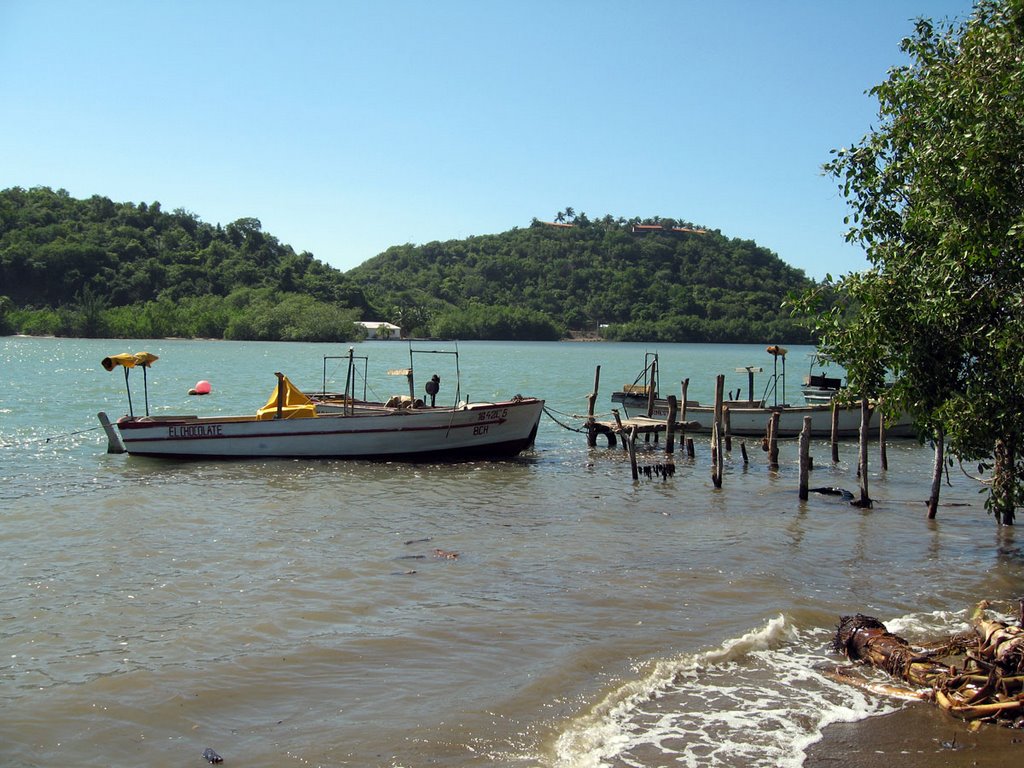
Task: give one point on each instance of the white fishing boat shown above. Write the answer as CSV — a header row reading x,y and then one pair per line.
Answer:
x,y
293,424
749,417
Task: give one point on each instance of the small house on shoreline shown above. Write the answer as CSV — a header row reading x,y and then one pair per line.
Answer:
x,y
378,330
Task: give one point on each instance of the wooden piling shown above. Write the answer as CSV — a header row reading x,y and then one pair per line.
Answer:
x,y
773,441
743,451
619,428
591,400
690,453
835,432
716,455
716,433
670,425
805,457
630,441
727,422
883,455
862,464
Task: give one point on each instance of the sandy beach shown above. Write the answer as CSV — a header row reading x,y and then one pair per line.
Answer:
x,y
917,736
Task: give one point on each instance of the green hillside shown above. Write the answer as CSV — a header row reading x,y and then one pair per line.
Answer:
x,y
651,280
93,267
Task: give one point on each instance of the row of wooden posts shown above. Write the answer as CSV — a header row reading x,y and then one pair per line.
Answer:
x,y
720,435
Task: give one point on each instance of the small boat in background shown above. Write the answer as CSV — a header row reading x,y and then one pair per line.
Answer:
x,y
819,388
749,416
293,424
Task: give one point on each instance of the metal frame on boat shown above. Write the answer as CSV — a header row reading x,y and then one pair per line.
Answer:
x,y
294,424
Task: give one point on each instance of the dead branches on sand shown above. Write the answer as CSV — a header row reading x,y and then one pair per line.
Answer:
x,y
976,675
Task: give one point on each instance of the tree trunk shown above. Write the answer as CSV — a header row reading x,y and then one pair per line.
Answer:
x,y
1003,495
937,467
988,685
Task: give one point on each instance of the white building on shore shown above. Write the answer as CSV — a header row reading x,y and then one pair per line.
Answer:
x,y
375,330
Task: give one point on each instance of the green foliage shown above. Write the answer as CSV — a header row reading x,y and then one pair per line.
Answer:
x,y
94,267
668,285
6,305
477,321
937,199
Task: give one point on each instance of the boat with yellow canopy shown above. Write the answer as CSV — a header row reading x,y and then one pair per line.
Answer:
x,y
295,424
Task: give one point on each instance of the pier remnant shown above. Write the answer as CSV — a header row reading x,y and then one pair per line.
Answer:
x,y
670,425
805,457
835,431
773,441
716,433
591,401
862,464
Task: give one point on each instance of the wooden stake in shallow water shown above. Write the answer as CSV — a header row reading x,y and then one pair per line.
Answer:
x,y
805,457
716,433
773,441
862,464
670,425
835,432
630,441
883,457
619,429
591,400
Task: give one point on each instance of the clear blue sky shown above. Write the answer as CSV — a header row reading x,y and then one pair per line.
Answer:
x,y
348,127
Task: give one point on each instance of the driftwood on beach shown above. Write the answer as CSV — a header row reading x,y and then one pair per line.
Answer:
x,y
975,675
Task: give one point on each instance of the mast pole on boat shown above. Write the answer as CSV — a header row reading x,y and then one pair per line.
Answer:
x,y
412,385
131,411
280,394
348,404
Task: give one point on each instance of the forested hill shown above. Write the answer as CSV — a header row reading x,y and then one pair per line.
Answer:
x,y
94,267
649,280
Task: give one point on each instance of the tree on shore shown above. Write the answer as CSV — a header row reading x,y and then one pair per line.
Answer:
x,y
936,192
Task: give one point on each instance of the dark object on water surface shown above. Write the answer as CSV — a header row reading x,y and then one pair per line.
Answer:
x,y
212,756
833,492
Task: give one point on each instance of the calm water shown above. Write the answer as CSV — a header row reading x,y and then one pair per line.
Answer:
x,y
296,613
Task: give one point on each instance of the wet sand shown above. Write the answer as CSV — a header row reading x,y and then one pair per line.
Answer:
x,y
918,736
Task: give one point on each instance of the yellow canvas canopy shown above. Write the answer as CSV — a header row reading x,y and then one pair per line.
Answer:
x,y
129,360
294,403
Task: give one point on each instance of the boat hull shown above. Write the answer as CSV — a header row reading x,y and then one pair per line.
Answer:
x,y
480,430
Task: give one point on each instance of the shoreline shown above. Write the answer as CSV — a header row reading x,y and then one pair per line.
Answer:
x,y
918,735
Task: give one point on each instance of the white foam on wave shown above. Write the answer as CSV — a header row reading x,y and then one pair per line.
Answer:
x,y
758,700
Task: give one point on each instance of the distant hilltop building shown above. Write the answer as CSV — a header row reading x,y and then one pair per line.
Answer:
x,y
644,229
377,330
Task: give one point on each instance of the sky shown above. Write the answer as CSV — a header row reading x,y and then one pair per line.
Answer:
x,y
349,127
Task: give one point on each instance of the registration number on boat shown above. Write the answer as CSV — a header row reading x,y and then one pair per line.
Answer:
x,y
497,413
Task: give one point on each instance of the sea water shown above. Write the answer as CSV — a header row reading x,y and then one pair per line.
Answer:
x,y
544,611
